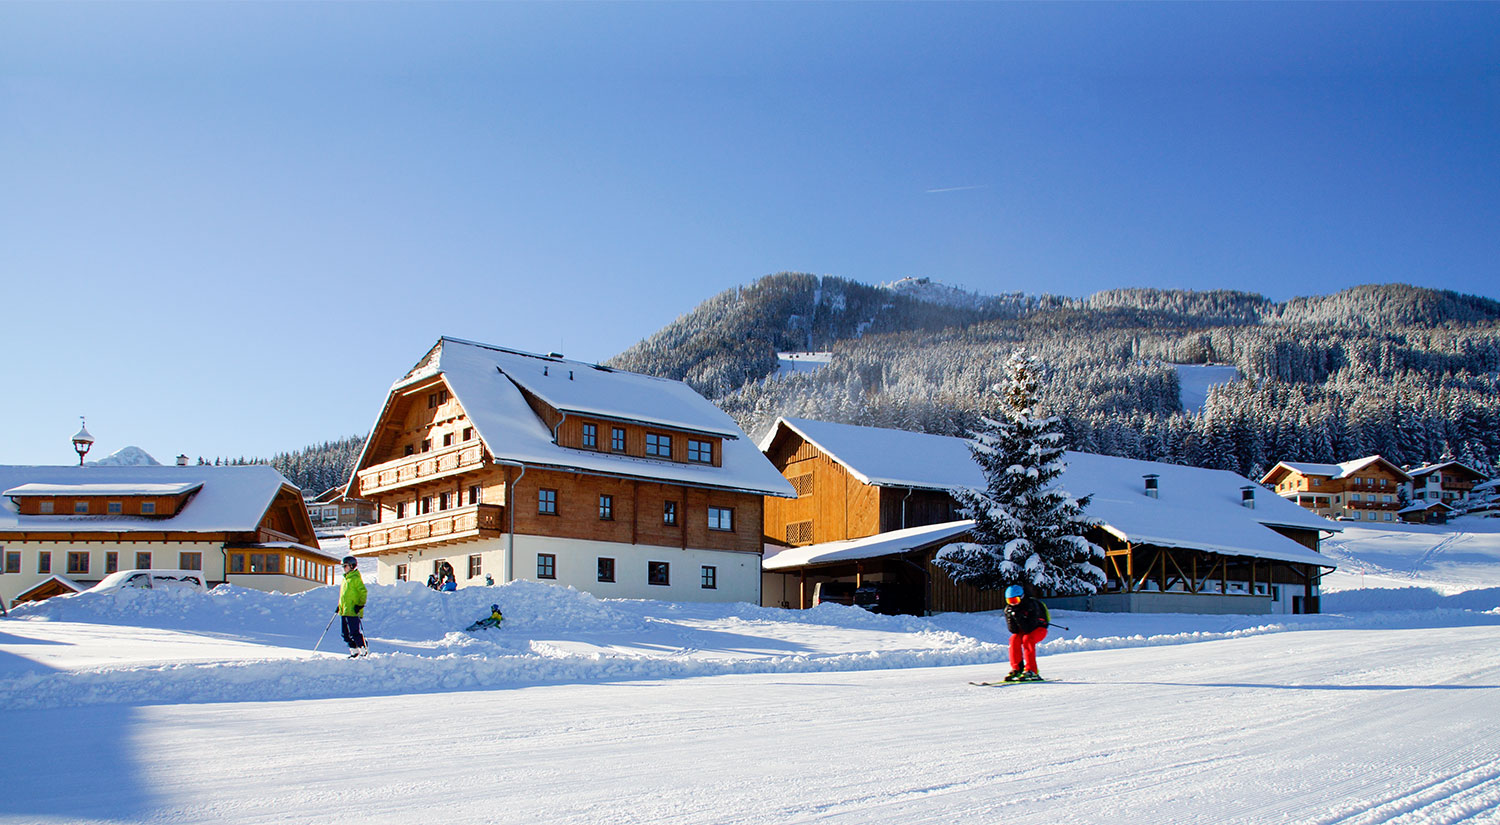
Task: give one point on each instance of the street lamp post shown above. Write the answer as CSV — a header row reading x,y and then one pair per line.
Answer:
x,y
82,441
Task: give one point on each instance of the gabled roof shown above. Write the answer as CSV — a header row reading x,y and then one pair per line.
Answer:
x,y
1423,506
1448,466
489,381
1335,471
881,544
1194,508
224,499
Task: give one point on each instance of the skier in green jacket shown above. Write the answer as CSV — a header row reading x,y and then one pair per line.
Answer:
x,y
351,607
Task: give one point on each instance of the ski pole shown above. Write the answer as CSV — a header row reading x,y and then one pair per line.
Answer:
x,y
325,631
1049,624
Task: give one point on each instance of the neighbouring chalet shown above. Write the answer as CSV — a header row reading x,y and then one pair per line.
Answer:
x,y
1365,489
333,508
243,524
1450,482
875,505
510,465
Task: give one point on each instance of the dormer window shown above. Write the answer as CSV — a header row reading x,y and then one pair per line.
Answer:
x,y
45,507
617,439
659,446
81,508
591,436
700,451
116,508
148,508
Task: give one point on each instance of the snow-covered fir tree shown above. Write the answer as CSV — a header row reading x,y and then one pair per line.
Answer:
x,y
1027,530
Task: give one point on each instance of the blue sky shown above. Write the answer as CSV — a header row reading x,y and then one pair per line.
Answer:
x,y
226,229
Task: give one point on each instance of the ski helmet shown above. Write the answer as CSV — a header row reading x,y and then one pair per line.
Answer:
x,y
1015,591
351,561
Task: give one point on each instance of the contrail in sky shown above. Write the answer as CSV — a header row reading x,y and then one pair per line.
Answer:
x,y
955,189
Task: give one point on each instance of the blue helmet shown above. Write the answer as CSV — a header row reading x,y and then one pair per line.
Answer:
x,y
1015,591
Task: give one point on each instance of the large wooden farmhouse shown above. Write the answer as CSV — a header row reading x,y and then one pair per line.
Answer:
x,y
874,506
1365,489
508,465
65,528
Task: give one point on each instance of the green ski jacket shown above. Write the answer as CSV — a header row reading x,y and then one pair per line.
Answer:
x,y
352,595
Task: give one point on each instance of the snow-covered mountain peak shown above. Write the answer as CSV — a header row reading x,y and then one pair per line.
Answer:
x,y
127,457
932,292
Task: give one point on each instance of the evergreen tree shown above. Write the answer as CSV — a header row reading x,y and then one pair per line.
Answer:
x,y
1026,529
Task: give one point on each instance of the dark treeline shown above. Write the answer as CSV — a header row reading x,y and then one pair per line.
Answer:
x,y
1405,372
313,469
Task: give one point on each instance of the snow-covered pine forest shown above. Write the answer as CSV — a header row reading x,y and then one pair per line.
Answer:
x,y
1405,372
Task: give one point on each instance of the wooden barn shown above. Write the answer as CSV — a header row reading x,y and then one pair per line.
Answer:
x,y
875,505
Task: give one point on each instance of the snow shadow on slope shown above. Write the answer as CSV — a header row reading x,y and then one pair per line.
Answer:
x,y
92,772
1410,598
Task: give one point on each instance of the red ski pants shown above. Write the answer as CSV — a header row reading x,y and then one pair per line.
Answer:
x,y
1023,649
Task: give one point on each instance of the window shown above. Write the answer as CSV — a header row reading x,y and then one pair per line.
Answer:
x,y
799,532
1387,515
189,561
400,509
1386,498
237,563
12,561
116,508
410,449
606,508
546,566
659,445
437,399
447,439
401,573
81,507
591,436
617,439
148,508
111,562
426,505
443,499
546,502
426,445
710,578
803,484
476,566
701,451
1354,496
606,569
669,514
476,494
44,562
658,573
46,507
143,561
468,433
78,563
721,518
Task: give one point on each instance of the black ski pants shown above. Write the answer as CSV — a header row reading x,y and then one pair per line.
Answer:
x,y
352,633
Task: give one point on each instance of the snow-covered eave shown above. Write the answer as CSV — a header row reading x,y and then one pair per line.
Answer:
x,y
284,545
780,422
891,543
1305,556
645,422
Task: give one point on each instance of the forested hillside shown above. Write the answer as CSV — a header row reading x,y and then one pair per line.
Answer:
x,y
1406,372
313,469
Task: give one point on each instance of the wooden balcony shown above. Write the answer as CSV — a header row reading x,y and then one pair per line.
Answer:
x,y
477,521
421,467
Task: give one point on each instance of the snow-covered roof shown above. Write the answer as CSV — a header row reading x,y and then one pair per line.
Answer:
x,y
1423,506
882,544
228,499
292,545
488,382
1194,507
124,488
1341,470
1446,465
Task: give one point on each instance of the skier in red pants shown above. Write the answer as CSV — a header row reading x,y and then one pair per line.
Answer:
x,y
1027,619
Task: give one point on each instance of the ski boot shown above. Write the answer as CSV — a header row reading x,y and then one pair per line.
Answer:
x,y
1030,676
1014,675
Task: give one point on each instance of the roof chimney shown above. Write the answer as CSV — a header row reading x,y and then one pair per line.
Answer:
x,y
1247,496
1151,488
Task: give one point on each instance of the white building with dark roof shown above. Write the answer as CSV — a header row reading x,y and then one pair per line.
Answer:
x,y
242,524
1176,538
499,464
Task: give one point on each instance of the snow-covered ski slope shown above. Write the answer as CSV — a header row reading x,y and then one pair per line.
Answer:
x,y
182,707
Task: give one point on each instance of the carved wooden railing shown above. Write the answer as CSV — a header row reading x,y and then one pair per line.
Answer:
x,y
420,467
449,526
